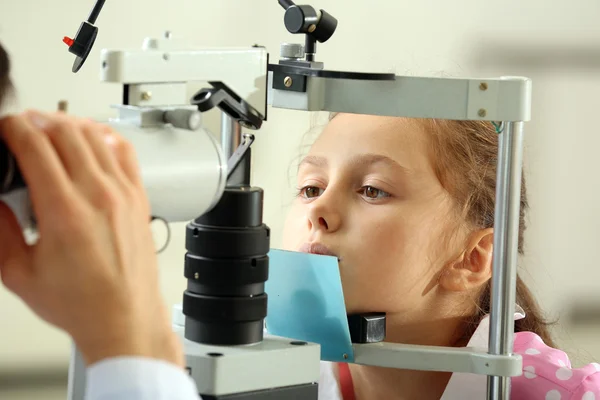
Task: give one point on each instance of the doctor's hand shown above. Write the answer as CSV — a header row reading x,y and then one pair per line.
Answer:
x,y
93,272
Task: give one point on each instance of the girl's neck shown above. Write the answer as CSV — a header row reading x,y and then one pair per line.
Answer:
x,y
372,383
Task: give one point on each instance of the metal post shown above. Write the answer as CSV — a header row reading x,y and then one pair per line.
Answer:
x,y
231,134
77,376
506,235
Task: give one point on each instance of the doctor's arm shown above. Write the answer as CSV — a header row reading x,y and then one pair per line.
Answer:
x,y
93,271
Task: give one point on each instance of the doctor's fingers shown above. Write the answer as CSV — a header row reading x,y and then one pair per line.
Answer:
x,y
93,164
118,159
15,266
70,145
117,155
40,165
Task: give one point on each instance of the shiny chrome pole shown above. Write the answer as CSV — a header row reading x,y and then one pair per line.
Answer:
x,y
506,237
231,134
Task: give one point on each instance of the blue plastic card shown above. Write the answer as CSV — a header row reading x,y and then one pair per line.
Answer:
x,y
306,302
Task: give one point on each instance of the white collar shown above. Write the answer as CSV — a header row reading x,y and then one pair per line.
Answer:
x,y
471,386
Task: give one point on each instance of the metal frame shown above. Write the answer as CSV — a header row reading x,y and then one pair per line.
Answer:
x,y
273,363
494,99
436,358
168,62
506,100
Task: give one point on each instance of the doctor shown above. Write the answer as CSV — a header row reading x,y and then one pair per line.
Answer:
x,y
93,272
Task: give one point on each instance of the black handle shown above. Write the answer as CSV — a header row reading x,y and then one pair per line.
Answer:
x,y
96,12
84,40
223,97
286,4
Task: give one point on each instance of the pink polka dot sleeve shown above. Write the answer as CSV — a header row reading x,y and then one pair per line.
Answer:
x,y
547,373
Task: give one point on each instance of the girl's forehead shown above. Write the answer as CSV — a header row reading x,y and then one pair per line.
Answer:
x,y
402,140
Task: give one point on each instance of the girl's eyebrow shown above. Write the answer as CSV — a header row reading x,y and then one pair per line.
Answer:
x,y
360,160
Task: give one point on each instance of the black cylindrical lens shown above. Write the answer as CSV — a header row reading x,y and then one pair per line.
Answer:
x,y
226,266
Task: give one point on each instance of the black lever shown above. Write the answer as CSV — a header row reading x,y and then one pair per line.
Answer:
x,y
221,96
84,40
286,4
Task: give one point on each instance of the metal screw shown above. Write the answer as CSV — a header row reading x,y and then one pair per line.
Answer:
x,y
168,35
483,86
482,113
166,57
63,106
197,275
288,81
345,356
146,96
312,28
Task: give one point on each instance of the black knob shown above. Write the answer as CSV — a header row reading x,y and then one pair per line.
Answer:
x,y
325,28
299,19
320,26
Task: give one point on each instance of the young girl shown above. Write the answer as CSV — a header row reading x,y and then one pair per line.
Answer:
x,y
407,206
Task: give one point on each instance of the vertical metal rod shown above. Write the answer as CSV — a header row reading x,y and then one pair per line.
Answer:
x,y
96,12
231,134
77,376
506,238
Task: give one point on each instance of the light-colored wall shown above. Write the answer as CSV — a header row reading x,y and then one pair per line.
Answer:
x,y
552,42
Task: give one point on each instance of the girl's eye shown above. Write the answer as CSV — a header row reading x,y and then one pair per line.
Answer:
x,y
373,193
310,192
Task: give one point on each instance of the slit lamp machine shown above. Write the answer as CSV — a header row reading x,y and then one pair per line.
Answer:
x,y
230,269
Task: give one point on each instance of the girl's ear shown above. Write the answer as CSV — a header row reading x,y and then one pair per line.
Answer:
x,y
473,268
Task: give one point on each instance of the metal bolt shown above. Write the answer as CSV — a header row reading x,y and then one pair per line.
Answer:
x,y
146,96
168,35
312,28
482,113
288,81
483,86
166,57
63,106
197,275
345,356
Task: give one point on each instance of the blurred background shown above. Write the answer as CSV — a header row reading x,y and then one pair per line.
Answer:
x,y
555,43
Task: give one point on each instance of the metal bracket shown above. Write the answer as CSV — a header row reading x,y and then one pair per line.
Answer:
x,y
435,358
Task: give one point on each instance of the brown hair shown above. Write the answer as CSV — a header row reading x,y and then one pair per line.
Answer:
x,y
465,159
5,85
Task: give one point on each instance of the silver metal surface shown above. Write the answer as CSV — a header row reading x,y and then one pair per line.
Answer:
x,y
274,362
184,119
506,236
291,51
437,358
231,135
506,99
77,376
184,173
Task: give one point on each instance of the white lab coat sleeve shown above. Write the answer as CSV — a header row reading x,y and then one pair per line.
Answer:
x,y
134,378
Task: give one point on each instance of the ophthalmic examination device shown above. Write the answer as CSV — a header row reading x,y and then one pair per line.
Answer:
x,y
190,176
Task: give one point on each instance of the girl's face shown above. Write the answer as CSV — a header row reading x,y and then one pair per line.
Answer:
x,y
368,194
